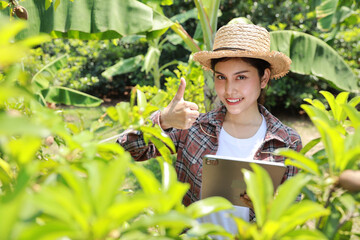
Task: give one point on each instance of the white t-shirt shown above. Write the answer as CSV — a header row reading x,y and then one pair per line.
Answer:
x,y
241,148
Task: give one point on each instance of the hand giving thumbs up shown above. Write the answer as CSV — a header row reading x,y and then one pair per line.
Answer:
x,y
179,113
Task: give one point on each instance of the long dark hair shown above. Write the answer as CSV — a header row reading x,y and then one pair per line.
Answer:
x,y
257,63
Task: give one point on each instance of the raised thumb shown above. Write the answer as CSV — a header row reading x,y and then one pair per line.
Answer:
x,y
181,90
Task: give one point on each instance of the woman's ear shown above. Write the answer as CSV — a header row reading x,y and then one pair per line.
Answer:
x,y
265,78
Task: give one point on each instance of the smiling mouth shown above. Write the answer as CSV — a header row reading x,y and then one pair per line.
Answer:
x,y
234,100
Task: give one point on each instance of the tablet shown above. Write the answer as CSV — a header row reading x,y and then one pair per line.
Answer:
x,y
222,176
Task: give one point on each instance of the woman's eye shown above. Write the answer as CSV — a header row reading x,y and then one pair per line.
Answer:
x,y
241,77
220,77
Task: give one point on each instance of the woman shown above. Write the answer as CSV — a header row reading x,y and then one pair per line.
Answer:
x,y
241,127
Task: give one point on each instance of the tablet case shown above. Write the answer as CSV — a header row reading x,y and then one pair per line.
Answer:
x,y
222,176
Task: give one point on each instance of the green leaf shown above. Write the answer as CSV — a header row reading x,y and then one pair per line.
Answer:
x,y
3,5
121,212
8,30
298,214
47,4
50,230
206,229
245,229
151,57
314,112
331,100
240,20
260,189
312,56
300,234
123,66
158,133
348,201
205,25
169,175
189,41
310,145
184,16
207,206
213,13
57,3
354,101
172,220
112,113
335,104
316,103
353,115
332,222
333,143
6,174
29,147
105,180
45,75
88,19
286,195
325,14
11,205
68,96
21,126
60,202
161,147
34,41
299,160
147,180
141,100
341,99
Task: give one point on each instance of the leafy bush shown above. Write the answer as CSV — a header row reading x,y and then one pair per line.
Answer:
x,y
59,181
86,60
339,131
287,93
193,75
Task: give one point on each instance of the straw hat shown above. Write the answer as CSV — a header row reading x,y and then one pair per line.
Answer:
x,y
245,40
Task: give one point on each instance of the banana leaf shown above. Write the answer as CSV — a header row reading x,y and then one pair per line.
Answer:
x,y
91,19
123,66
43,77
69,97
312,56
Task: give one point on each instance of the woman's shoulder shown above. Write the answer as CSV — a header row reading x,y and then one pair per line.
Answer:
x,y
277,127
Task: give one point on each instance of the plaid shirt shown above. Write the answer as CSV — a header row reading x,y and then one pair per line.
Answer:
x,y
202,138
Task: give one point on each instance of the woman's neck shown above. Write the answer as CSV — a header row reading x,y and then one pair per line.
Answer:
x,y
243,125
250,117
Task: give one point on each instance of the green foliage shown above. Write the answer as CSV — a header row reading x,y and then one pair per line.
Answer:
x,y
311,56
104,20
339,130
194,87
288,92
83,63
277,217
76,189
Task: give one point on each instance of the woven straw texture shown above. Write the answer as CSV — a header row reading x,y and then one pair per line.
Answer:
x,y
245,40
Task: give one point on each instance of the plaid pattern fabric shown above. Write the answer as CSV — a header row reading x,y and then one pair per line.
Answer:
x,y
202,138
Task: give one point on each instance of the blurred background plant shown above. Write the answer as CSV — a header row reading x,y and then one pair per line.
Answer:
x,y
49,158
89,59
59,180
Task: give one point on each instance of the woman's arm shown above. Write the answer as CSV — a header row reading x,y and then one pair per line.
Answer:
x,y
179,114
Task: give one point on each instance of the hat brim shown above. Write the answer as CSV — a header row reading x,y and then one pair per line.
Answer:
x,y
280,63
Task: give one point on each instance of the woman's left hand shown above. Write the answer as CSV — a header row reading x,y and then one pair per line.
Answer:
x,y
246,200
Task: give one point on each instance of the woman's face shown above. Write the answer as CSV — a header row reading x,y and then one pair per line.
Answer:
x,y
238,85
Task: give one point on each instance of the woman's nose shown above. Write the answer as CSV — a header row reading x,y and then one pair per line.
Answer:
x,y
229,87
